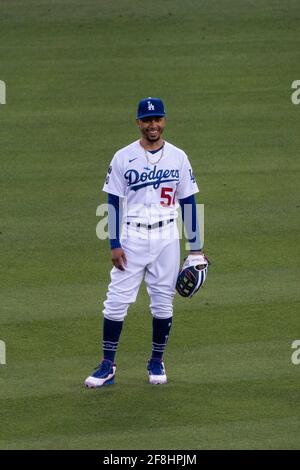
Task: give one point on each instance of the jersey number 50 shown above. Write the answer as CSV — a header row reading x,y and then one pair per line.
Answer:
x,y
167,196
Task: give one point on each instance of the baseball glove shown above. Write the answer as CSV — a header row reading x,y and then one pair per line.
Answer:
x,y
192,275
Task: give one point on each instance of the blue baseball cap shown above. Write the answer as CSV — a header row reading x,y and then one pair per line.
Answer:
x,y
150,107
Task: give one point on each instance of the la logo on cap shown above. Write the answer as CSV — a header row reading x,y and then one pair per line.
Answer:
x,y
150,106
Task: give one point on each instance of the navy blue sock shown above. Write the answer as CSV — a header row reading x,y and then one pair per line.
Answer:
x,y
160,334
111,334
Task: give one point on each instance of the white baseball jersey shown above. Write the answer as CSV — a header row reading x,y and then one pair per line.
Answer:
x,y
150,183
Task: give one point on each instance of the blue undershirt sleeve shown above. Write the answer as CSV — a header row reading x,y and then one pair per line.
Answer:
x,y
114,220
190,221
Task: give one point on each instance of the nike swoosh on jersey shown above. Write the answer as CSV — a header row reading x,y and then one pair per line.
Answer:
x,y
132,160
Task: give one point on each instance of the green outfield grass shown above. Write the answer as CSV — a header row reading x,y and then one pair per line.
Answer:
x,y
74,71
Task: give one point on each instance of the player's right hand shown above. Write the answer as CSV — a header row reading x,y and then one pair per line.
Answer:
x,y
118,258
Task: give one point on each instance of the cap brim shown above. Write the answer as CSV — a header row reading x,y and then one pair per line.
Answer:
x,y
142,116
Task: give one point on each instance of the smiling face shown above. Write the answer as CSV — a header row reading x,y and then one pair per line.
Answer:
x,y
151,129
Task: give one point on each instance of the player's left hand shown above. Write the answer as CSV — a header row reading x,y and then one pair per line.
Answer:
x,y
192,274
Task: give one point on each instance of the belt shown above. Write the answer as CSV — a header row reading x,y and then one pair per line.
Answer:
x,y
161,223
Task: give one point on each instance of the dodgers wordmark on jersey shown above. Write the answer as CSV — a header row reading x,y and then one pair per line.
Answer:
x,y
151,185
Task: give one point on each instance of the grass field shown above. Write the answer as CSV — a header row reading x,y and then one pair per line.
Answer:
x,y
74,71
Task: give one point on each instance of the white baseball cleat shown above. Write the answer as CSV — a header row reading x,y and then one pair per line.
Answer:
x,y
156,372
104,375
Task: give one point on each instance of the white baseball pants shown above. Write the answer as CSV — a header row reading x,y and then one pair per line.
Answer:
x,y
153,255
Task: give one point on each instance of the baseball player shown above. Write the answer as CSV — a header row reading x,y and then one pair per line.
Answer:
x,y
146,182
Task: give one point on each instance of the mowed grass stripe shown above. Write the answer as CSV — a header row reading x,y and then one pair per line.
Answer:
x,y
231,411
220,362
234,435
